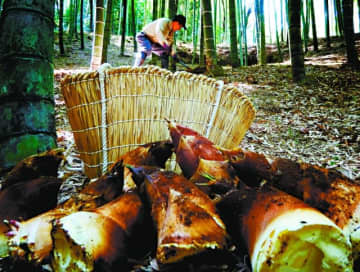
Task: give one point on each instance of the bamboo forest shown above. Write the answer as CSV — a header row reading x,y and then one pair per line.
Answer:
x,y
180,135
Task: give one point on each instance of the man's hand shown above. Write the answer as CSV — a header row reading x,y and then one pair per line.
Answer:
x,y
166,47
175,57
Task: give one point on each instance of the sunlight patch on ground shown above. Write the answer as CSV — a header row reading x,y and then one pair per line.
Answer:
x,y
332,61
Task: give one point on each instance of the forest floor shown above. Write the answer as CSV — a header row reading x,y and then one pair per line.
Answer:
x,y
317,121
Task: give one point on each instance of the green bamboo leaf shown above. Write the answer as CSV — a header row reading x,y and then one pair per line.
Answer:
x,y
208,176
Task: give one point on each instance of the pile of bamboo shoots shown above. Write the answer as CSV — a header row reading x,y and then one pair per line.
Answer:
x,y
286,216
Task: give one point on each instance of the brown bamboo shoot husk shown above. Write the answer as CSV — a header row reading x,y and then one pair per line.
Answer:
x,y
186,220
40,165
327,190
283,233
215,177
32,241
23,200
252,168
190,146
96,240
201,161
29,189
97,193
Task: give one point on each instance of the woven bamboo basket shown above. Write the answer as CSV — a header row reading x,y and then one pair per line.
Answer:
x,y
114,110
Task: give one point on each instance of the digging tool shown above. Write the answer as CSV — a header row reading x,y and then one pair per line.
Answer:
x,y
183,64
195,70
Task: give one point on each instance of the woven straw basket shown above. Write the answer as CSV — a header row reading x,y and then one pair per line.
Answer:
x,y
114,110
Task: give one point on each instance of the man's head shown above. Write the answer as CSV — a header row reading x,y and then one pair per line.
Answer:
x,y
179,21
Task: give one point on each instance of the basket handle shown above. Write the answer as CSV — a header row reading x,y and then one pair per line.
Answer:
x,y
102,74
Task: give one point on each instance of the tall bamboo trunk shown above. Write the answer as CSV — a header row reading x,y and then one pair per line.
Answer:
x,y
98,36
358,2
240,21
185,33
82,45
211,63
119,17
224,21
315,40
162,9
215,19
352,56
172,8
71,21
195,30
202,47
282,19
155,10
107,31
327,23
76,8
246,17
277,37
27,114
155,15
235,62
61,27
262,35
171,14
259,10
297,54
133,23
339,17
287,23
91,22
305,18
123,27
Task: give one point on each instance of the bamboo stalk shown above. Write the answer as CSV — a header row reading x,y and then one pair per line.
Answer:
x,y
97,47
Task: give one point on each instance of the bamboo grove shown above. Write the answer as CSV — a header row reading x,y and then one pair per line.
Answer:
x,y
237,23
234,22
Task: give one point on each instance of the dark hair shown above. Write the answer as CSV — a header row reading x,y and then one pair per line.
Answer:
x,y
181,19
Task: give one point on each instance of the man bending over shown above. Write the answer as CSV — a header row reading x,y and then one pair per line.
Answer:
x,y
158,37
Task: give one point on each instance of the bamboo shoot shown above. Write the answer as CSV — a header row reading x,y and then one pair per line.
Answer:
x,y
186,220
96,240
283,233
